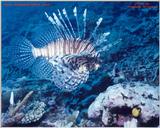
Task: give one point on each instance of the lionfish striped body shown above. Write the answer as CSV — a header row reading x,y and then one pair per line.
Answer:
x,y
60,54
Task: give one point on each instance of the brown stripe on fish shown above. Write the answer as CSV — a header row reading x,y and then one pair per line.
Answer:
x,y
63,47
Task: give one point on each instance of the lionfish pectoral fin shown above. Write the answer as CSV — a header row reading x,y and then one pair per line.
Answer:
x,y
42,68
21,53
69,80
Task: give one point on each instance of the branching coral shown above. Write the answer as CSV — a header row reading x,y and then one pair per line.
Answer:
x,y
23,112
14,115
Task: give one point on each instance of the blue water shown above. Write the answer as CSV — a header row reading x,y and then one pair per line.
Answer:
x,y
135,23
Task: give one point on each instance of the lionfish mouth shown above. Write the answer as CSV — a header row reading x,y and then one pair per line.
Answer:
x,y
61,54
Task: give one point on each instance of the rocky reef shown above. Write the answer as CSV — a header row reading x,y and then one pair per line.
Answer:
x,y
120,103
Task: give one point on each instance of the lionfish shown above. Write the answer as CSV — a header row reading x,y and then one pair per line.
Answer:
x,y
63,53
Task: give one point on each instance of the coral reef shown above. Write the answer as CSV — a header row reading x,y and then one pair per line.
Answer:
x,y
35,113
23,112
131,124
60,118
120,99
129,72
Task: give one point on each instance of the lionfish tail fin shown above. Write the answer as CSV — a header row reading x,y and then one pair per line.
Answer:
x,y
21,53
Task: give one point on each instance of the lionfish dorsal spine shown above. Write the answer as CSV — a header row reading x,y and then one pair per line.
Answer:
x,y
50,18
55,24
75,14
66,31
59,25
66,16
95,29
84,22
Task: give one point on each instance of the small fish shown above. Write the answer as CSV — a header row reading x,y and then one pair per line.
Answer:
x,y
136,112
62,54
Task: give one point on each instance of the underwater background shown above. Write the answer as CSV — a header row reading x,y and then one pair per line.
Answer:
x,y
131,67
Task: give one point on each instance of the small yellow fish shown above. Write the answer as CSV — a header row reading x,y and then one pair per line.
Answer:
x,y
136,112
